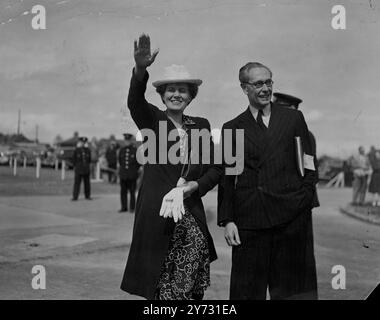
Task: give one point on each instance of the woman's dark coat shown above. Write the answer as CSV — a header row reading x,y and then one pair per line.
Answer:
x,y
151,233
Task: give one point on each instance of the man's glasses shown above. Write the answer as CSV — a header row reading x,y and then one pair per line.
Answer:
x,y
260,84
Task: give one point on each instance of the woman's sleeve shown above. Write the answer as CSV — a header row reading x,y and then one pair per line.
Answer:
x,y
213,171
142,112
226,188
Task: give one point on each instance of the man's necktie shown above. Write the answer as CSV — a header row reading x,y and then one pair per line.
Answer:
x,y
260,121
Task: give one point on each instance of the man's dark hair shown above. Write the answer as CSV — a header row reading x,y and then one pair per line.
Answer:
x,y
243,72
193,90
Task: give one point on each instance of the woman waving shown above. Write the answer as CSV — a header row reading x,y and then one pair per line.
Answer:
x,y
169,258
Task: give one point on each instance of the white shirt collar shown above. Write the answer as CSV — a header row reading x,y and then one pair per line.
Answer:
x,y
255,112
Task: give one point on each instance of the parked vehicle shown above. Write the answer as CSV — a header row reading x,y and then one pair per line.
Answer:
x,y
4,159
66,153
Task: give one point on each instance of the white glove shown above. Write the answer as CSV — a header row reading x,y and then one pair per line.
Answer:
x,y
172,204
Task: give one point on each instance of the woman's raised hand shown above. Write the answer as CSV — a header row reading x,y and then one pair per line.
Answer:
x,y
143,57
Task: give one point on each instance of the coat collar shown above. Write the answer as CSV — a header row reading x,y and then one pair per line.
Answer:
x,y
187,121
252,130
277,124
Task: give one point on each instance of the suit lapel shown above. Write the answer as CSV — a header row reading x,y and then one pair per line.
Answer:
x,y
251,129
277,124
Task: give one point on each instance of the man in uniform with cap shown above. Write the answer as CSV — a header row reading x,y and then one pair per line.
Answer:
x,y
81,162
292,102
128,173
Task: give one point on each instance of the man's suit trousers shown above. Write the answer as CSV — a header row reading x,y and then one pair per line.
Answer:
x,y
279,258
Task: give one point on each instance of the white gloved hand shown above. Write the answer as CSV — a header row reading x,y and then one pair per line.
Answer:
x,y
178,207
172,204
166,204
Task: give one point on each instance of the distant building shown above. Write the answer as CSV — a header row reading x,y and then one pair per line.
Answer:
x,y
65,149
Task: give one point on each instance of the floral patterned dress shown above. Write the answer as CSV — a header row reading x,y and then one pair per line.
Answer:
x,y
186,271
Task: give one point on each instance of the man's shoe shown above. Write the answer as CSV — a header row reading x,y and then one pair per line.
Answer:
x,y
89,198
73,199
123,210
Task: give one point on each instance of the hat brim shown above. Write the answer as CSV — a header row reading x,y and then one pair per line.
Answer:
x,y
286,98
158,83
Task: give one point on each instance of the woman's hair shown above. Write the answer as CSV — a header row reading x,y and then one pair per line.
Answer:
x,y
193,89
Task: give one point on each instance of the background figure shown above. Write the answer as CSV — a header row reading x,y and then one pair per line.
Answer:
x,y
128,173
111,157
374,186
291,102
103,164
81,162
347,171
361,170
94,158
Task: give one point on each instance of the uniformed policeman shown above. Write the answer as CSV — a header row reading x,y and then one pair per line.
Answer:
x,y
128,173
292,102
81,162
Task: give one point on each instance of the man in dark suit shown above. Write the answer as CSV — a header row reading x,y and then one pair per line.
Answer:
x,y
81,162
266,210
128,172
292,102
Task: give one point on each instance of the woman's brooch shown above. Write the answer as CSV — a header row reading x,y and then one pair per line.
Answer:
x,y
187,121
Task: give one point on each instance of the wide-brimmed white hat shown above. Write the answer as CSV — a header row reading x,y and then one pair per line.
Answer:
x,y
176,74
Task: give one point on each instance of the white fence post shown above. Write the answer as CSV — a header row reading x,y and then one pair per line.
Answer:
x,y
14,166
63,168
56,164
24,162
38,167
97,171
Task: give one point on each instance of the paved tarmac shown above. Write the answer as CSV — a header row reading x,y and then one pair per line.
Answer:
x,y
84,245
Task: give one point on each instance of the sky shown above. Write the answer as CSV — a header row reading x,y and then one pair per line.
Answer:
x,y
74,76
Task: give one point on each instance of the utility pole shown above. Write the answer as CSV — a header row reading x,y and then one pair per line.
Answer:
x,y
18,122
37,133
